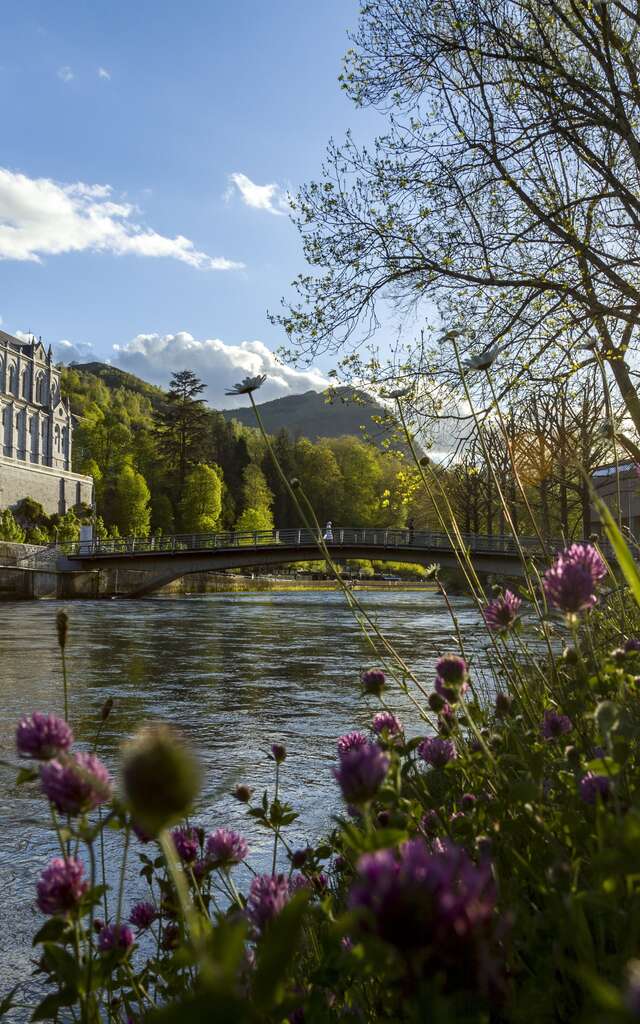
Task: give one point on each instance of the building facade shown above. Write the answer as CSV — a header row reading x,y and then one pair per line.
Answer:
x,y
621,484
36,431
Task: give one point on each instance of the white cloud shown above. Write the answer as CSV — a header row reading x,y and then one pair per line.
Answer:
x,y
40,217
73,352
103,73
154,357
65,74
271,198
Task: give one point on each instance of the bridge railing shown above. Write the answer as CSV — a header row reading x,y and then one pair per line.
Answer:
x,y
347,537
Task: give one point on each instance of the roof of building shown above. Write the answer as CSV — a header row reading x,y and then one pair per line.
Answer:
x,y
32,344
611,468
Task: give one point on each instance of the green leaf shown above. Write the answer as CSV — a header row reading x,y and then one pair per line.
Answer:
x,y
51,1004
51,931
277,950
221,1007
603,766
62,964
7,1002
26,775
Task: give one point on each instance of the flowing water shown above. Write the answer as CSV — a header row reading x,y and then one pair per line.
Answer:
x,y
234,672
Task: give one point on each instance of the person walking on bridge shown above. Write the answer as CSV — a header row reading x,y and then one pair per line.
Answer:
x,y
328,531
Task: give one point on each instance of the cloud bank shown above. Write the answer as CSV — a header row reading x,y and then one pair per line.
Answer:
x,y
154,357
271,198
40,217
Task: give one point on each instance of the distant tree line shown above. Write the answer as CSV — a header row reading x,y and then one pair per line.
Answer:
x,y
166,462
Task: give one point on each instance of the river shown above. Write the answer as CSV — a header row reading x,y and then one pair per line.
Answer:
x,y
234,672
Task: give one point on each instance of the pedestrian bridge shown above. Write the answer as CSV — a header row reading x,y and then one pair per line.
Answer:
x,y
168,558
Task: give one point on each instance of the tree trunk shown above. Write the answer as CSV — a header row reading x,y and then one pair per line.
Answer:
x,y
627,389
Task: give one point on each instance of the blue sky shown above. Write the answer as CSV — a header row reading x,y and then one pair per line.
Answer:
x,y
123,125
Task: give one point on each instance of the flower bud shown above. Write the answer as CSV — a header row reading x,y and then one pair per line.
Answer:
x,y
436,702
373,681
243,793
295,484
299,858
572,756
62,627
570,656
503,704
278,752
161,779
425,460
106,709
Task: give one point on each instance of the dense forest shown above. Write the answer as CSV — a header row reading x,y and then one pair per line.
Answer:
x,y
165,461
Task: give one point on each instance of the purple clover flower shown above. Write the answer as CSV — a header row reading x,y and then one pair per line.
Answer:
x,y
351,741
437,752
225,848
501,613
267,897
422,898
43,737
61,886
143,915
298,883
185,840
373,681
77,784
592,786
554,725
118,937
632,646
571,582
451,677
361,772
387,721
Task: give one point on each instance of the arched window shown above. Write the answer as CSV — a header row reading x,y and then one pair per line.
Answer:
x,y
25,383
13,379
56,437
40,388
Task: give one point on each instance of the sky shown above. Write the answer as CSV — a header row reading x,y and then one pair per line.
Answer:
x,y
147,150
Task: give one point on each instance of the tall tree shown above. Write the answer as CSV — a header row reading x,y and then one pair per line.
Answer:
x,y
131,511
504,191
202,501
182,426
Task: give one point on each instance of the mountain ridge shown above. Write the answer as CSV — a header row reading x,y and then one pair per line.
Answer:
x,y
337,412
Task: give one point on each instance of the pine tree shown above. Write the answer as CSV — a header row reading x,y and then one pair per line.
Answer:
x,y
182,429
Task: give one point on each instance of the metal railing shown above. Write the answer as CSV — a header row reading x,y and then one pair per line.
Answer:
x,y
348,537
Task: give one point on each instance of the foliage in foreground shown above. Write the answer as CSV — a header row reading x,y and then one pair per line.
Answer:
x,y
486,871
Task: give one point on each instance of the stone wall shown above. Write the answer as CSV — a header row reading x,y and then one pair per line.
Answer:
x,y
55,489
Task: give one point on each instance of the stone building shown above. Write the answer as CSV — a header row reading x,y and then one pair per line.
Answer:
x,y
36,431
